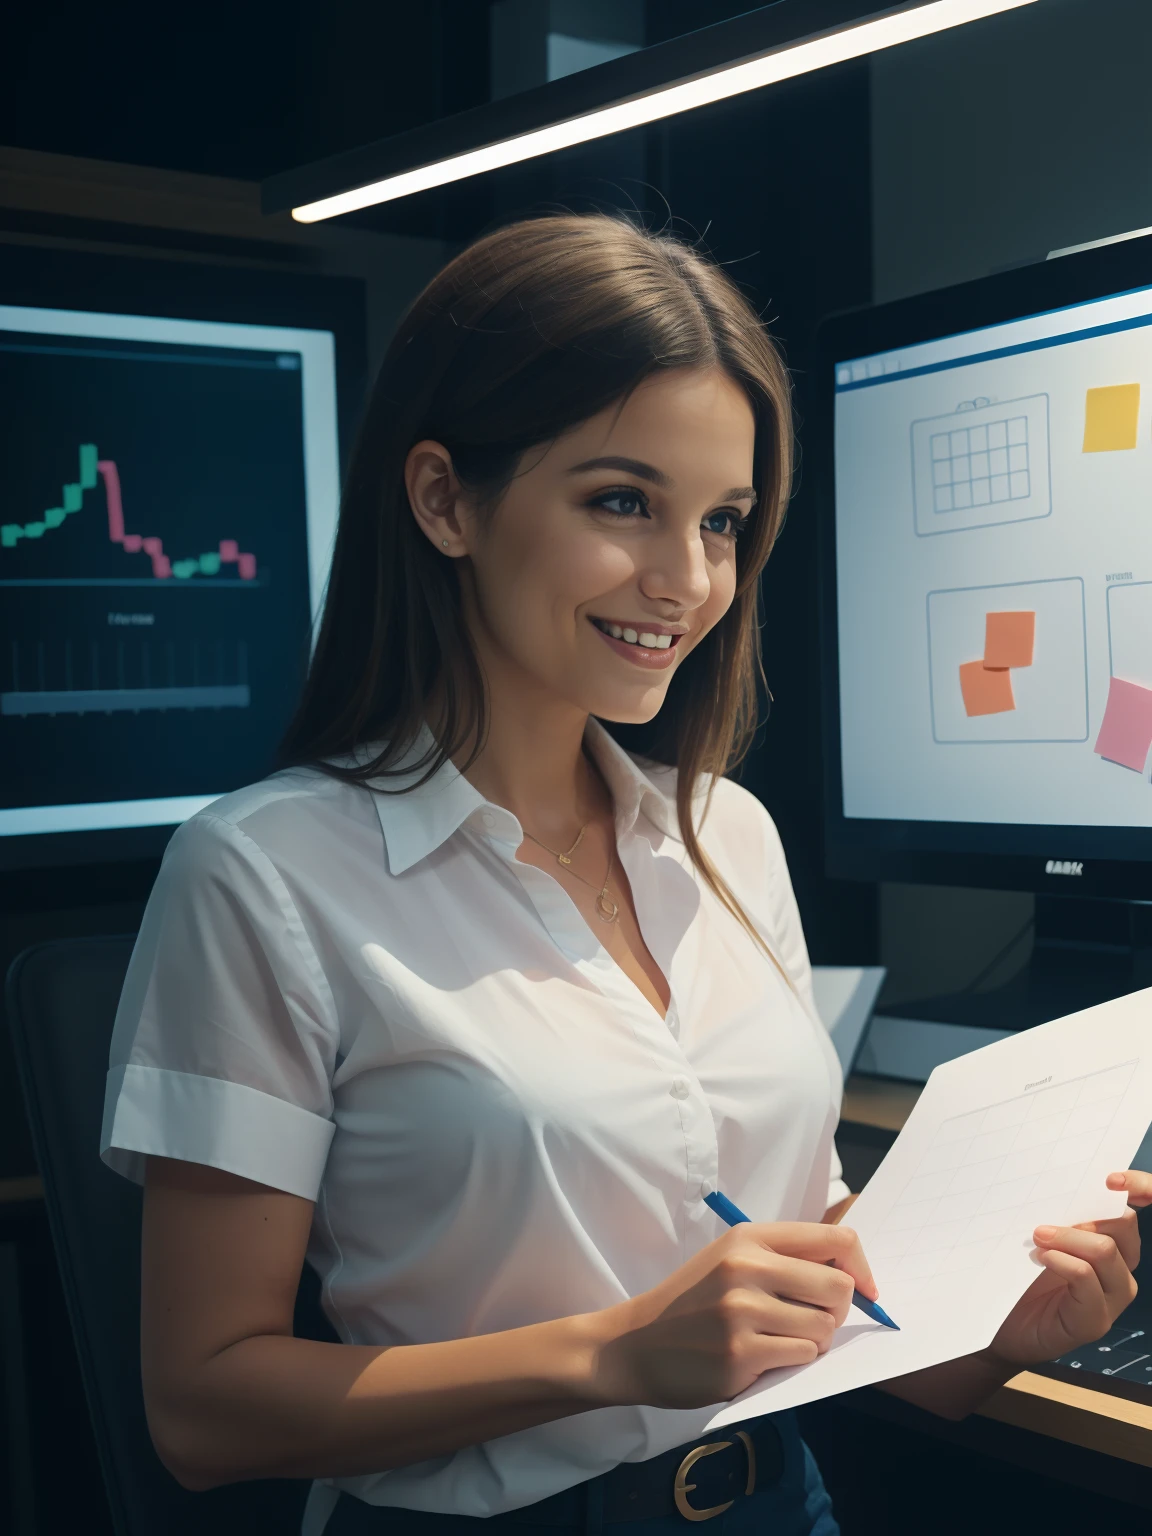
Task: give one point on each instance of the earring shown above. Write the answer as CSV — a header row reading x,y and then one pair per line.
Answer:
x,y
444,542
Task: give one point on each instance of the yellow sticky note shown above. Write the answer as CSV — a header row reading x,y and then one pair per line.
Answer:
x,y
1111,417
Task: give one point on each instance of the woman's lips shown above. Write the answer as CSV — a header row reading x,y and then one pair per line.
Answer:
x,y
639,655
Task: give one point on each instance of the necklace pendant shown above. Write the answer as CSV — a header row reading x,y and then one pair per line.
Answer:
x,y
606,908
562,858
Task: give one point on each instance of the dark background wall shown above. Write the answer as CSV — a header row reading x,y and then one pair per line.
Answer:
x,y
234,90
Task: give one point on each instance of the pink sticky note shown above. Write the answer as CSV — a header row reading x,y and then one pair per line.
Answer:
x,y
1126,730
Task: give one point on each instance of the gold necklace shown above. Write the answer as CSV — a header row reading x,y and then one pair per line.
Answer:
x,y
606,908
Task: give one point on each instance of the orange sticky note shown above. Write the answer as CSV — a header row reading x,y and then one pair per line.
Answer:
x,y
1111,418
986,692
1008,639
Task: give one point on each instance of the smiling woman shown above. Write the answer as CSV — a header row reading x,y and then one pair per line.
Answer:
x,y
518,374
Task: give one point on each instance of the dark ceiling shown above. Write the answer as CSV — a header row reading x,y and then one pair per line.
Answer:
x,y
253,87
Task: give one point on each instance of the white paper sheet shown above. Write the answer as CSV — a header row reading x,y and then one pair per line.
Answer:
x,y
1021,1132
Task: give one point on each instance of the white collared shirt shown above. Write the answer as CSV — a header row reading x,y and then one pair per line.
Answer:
x,y
368,1001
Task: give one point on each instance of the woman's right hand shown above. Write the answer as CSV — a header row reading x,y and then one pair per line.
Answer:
x,y
764,1294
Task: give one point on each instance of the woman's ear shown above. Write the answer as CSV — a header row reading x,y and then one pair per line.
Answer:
x,y
435,494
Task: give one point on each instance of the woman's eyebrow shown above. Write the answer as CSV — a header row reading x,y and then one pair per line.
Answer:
x,y
635,467
655,476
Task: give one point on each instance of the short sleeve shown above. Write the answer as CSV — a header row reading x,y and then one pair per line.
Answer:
x,y
837,1187
226,1038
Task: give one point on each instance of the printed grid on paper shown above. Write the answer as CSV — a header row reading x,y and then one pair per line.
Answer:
x,y
977,466
984,1170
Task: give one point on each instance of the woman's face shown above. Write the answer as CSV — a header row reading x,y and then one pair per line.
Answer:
x,y
613,551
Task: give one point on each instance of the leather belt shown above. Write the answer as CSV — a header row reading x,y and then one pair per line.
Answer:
x,y
696,1481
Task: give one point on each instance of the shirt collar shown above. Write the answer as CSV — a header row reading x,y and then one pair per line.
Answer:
x,y
418,821
633,791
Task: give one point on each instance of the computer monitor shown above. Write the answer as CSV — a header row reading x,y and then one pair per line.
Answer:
x,y
171,485
985,459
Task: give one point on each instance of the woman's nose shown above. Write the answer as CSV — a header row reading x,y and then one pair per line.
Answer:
x,y
677,572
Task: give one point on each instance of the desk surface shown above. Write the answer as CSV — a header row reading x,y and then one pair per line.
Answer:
x,y
882,1102
13,1191
1063,1410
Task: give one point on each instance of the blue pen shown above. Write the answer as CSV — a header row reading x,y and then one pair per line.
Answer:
x,y
733,1215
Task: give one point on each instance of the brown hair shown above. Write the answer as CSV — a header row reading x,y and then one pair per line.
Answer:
x,y
525,334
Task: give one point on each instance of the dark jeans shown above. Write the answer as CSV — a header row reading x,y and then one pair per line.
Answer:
x,y
797,1505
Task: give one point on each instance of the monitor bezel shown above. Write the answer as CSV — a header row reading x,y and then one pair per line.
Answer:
x,y
179,289
1098,861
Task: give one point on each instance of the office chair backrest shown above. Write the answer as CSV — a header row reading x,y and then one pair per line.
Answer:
x,y
62,1001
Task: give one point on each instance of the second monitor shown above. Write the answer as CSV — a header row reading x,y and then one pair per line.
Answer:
x,y
989,580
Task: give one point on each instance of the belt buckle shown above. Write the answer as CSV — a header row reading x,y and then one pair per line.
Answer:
x,y
681,1487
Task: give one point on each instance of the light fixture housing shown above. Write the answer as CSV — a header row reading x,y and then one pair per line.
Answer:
x,y
776,42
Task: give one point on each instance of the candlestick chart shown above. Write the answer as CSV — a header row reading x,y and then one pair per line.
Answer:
x,y
162,567
154,605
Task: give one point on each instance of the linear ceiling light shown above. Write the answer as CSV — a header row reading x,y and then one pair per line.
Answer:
x,y
783,62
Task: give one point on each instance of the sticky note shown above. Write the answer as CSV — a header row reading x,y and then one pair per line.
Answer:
x,y
1126,730
1009,639
986,692
1111,415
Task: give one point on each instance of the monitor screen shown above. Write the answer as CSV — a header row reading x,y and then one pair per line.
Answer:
x,y
993,576
170,499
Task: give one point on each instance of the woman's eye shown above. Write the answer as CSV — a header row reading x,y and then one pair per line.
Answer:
x,y
723,522
622,503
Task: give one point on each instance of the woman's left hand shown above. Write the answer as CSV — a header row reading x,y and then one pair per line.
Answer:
x,y
1086,1284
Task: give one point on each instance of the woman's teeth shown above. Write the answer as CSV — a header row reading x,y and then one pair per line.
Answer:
x,y
642,637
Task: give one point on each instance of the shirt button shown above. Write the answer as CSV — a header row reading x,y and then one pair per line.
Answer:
x,y
488,819
680,1088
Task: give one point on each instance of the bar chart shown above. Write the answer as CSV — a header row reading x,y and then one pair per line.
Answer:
x,y
63,678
